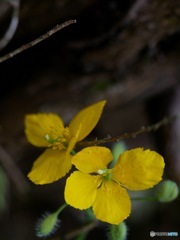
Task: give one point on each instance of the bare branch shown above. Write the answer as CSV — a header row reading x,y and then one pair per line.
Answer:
x,y
151,128
36,41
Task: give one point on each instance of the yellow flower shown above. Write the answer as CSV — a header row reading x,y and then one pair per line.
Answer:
x,y
47,130
104,189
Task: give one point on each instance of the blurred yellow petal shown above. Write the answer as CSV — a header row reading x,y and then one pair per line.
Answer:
x,y
37,126
92,159
80,190
87,118
139,169
73,141
49,167
71,146
112,203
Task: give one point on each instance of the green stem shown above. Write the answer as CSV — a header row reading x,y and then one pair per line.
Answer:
x,y
61,208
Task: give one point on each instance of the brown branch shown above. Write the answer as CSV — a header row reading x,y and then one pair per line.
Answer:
x,y
36,41
150,128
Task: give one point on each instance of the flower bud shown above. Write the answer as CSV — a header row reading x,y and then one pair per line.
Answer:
x,y
167,191
117,149
47,225
118,232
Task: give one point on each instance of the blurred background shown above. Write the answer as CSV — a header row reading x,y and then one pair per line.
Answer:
x,y
127,52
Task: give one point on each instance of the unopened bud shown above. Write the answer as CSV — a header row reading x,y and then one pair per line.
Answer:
x,y
117,149
167,191
118,232
49,223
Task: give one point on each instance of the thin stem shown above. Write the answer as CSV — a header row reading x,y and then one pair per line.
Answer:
x,y
150,128
61,208
36,41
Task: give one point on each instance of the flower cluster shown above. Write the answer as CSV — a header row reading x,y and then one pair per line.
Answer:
x,y
94,183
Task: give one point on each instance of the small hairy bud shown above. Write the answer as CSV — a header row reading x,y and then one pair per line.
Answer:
x,y
47,225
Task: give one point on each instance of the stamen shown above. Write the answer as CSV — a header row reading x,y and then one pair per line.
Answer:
x,y
58,139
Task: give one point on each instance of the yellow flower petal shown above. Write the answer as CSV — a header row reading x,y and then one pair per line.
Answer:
x,y
49,167
139,169
73,141
71,146
92,159
87,118
80,190
112,203
37,126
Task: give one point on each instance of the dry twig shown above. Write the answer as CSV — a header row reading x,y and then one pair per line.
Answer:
x,y
36,41
150,128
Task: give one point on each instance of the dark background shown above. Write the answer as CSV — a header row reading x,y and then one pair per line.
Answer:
x,y
125,51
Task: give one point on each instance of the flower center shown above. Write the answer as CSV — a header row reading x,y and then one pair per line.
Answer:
x,y
58,139
106,173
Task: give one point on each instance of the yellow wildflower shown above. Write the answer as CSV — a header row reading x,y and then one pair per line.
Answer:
x,y
47,130
104,189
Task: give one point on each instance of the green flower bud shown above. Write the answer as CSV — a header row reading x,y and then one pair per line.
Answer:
x,y
49,223
117,232
167,191
117,149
